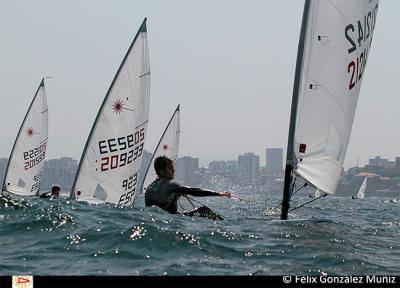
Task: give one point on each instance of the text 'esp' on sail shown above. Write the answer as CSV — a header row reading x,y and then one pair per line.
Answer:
x,y
109,166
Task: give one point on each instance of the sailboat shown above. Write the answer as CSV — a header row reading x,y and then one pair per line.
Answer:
x,y
361,191
334,45
111,159
25,165
167,146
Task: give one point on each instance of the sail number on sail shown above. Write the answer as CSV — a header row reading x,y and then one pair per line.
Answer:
x,y
129,148
36,180
365,27
34,156
130,187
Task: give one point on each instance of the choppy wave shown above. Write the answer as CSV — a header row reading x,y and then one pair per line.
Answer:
x,y
333,235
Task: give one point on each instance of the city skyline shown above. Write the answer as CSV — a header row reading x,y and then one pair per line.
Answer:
x,y
204,163
202,64
243,174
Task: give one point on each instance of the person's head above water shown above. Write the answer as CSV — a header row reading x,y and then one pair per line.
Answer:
x,y
55,191
164,167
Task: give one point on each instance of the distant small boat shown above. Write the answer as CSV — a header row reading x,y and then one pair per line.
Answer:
x,y
25,165
167,146
111,159
361,191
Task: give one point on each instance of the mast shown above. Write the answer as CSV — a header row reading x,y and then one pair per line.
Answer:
x,y
19,132
143,28
293,113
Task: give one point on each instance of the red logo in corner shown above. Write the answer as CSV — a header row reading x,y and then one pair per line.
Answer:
x,y
22,281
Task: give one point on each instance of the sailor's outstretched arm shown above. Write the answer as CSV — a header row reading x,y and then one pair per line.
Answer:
x,y
198,192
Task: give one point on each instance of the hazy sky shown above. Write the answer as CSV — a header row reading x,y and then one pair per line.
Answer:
x,y
230,64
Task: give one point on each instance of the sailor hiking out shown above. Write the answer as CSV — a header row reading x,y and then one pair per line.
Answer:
x,y
165,193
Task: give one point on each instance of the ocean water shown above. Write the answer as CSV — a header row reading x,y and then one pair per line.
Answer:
x,y
334,235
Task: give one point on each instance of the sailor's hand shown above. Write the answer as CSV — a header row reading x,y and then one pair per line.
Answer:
x,y
225,194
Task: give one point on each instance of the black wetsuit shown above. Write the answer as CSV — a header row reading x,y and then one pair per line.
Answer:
x,y
165,193
45,195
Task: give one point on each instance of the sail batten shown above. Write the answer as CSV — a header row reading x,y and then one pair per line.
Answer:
x,y
26,161
109,166
335,52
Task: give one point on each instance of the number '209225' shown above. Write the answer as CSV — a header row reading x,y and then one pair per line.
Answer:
x,y
127,146
120,160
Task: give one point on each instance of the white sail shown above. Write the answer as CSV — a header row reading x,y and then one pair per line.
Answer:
x,y
361,191
167,146
334,45
337,44
25,165
111,159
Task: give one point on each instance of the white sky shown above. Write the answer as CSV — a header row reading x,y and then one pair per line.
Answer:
x,y
229,63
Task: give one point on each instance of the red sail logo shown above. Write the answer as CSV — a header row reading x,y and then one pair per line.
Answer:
x,y
22,281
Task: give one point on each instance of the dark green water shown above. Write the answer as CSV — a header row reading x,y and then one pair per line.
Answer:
x,y
333,235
